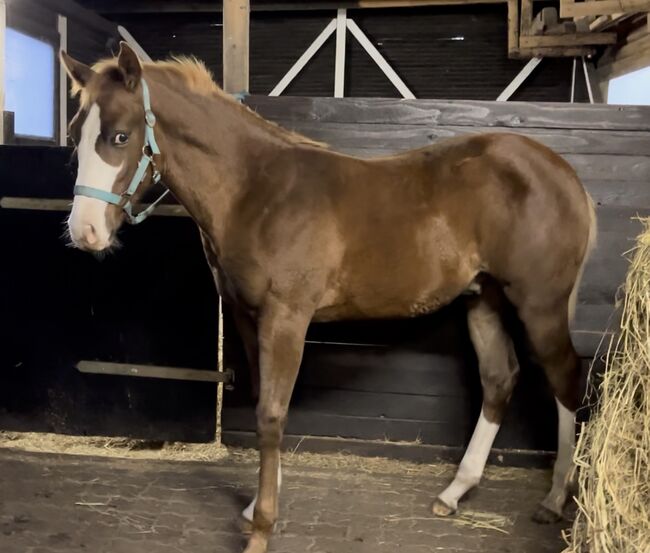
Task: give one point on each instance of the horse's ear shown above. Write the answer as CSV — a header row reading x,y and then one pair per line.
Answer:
x,y
130,66
79,72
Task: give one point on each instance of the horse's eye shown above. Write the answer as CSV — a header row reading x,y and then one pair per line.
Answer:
x,y
120,139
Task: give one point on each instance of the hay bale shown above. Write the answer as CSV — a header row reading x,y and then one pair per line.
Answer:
x,y
613,452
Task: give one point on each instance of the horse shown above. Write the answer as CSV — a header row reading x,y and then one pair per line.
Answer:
x,y
294,232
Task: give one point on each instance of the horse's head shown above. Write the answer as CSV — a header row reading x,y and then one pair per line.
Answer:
x,y
109,131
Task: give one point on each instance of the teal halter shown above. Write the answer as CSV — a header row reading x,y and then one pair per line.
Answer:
x,y
149,149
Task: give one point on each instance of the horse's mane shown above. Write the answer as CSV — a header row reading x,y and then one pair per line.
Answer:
x,y
198,79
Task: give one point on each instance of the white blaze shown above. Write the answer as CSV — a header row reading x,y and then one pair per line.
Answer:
x,y
90,213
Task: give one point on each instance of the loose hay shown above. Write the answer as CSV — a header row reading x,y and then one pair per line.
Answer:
x,y
111,447
613,452
483,520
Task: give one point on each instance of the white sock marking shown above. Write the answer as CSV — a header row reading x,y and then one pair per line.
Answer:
x,y
566,440
249,511
473,463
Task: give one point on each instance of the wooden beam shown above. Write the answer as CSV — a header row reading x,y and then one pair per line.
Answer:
x,y
236,24
153,371
210,6
418,3
578,39
47,204
544,20
616,68
569,8
637,34
526,18
554,52
513,27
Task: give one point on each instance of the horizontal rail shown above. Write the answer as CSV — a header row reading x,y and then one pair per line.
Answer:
x,y
153,371
47,204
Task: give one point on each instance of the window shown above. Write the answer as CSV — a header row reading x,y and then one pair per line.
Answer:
x,y
29,84
633,88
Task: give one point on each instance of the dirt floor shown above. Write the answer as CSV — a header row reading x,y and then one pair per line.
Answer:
x,y
62,502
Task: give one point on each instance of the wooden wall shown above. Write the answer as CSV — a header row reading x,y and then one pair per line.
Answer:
x,y
378,382
417,380
440,52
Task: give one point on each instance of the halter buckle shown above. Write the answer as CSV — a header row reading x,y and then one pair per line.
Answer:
x,y
149,118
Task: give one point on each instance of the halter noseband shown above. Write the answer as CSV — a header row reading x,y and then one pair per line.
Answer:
x,y
149,149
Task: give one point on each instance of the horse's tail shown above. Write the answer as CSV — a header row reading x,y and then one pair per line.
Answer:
x,y
591,242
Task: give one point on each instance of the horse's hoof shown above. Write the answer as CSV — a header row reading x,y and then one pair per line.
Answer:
x,y
257,544
441,509
543,515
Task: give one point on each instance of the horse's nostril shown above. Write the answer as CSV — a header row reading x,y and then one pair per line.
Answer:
x,y
89,234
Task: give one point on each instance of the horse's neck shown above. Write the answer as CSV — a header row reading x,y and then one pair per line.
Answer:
x,y
210,150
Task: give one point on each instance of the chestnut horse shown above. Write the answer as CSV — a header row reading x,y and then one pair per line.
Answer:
x,y
295,232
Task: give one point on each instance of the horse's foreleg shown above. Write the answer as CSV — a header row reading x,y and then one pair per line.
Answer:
x,y
499,369
281,338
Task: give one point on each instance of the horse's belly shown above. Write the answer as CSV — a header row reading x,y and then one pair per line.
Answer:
x,y
398,300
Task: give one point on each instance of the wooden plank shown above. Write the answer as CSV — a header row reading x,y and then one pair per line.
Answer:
x,y
513,26
630,194
419,3
606,21
432,113
236,16
304,422
413,452
395,137
210,6
617,68
609,167
46,204
152,371
526,19
578,39
555,52
398,370
363,403
602,7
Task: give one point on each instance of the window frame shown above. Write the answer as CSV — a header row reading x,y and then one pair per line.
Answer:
x,y
42,31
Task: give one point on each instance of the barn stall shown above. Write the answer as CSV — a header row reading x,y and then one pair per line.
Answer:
x,y
404,390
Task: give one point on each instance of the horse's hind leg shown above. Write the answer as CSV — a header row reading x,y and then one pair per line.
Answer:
x,y
547,325
499,368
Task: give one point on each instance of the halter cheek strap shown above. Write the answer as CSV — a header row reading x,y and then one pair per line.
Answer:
x,y
149,149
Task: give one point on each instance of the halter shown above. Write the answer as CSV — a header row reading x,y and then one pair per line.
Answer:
x,y
149,149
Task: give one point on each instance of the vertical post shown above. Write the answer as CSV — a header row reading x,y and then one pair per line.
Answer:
x,y
3,25
339,70
573,80
236,23
62,25
513,27
217,435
